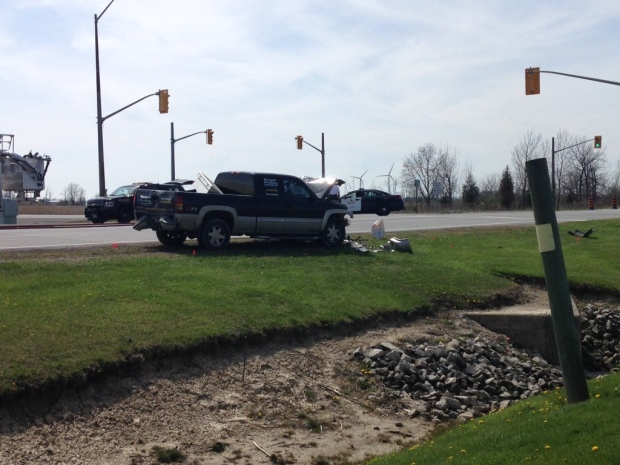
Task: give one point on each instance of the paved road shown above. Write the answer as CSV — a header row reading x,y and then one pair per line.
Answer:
x,y
113,233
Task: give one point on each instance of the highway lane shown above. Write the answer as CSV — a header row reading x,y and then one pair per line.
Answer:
x,y
59,237
113,233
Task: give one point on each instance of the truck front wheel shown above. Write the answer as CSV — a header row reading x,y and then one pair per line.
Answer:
x,y
215,235
334,233
171,239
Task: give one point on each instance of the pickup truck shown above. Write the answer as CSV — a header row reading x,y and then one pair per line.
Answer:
x,y
119,204
258,205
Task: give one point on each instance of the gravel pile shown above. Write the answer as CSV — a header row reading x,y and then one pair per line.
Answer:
x,y
600,336
465,379
459,379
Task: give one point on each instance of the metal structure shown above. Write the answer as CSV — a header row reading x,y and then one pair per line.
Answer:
x,y
23,175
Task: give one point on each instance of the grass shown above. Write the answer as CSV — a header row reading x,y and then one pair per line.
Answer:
x,y
62,312
542,430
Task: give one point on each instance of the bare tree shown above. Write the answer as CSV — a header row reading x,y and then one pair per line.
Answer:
x,y
490,183
587,176
448,171
562,139
49,195
73,194
421,166
614,181
528,149
489,190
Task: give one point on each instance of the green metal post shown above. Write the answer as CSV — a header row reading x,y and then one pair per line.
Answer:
x,y
566,334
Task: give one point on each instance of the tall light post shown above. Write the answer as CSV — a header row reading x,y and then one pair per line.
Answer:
x,y
102,189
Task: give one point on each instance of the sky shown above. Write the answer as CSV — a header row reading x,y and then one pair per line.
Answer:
x,y
379,78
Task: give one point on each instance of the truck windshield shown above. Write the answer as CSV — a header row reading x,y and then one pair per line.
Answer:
x,y
124,190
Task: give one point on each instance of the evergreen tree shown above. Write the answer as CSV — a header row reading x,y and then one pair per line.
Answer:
x,y
471,192
506,190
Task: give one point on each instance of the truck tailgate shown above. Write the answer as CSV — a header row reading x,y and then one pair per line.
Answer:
x,y
154,202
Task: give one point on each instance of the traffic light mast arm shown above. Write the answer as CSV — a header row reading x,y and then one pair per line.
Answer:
x,y
185,137
578,77
315,148
575,145
127,106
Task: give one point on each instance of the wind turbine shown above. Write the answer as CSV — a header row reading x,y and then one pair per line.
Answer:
x,y
361,184
390,178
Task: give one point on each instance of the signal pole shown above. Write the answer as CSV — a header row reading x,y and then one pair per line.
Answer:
x,y
300,141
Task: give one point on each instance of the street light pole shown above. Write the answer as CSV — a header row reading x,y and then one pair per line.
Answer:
x,y
553,169
102,189
172,141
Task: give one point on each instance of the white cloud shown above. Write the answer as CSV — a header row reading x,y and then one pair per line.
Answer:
x,y
378,78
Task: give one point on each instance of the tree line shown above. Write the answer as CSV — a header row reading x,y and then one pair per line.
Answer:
x,y
580,172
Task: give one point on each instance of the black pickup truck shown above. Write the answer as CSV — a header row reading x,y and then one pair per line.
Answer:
x,y
119,204
116,206
258,205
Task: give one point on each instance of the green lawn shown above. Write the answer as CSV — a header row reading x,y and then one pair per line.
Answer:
x,y
62,312
542,430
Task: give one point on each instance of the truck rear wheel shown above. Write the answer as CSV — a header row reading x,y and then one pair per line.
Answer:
x,y
334,233
215,235
171,239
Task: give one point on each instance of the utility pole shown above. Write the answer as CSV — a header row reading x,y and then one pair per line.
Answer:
x,y
550,247
102,189
163,106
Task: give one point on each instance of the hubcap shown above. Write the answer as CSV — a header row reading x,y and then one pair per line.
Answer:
x,y
215,236
333,233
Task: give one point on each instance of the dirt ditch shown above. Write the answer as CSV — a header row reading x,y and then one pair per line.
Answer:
x,y
305,402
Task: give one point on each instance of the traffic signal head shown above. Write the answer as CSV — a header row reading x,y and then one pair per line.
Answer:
x,y
598,141
532,81
300,142
209,136
163,100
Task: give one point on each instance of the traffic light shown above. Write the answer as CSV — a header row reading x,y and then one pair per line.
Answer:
x,y
532,81
163,100
300,142
209,136
598,142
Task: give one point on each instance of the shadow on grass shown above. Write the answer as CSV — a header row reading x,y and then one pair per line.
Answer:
x,y
248,247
